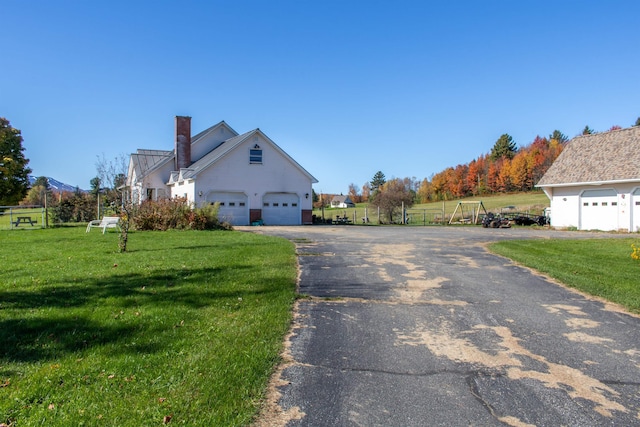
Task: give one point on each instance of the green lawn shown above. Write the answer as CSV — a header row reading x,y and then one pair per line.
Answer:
x,y
600,267
186,324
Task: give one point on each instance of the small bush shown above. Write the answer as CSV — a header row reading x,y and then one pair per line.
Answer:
x,y
175,213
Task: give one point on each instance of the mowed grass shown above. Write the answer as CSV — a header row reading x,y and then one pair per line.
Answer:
x,y
600,267
186,325
532,202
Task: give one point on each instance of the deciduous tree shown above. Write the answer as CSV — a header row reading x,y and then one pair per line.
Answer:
x,y
391,196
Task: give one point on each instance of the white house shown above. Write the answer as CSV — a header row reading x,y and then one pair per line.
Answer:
x,y
249,175
342,202
595,182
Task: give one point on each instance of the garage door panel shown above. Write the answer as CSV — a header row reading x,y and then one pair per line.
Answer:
x,y
599,210
233,208
281,209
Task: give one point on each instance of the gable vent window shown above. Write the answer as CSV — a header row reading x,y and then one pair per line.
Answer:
x,y
255,155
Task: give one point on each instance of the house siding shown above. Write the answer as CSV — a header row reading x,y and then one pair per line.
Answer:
x,y
275,174
568,208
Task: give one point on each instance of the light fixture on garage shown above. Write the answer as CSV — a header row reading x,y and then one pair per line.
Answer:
x,y
306,195
200,193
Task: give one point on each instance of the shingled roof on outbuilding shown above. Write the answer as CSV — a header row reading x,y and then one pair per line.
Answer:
x,y
605,157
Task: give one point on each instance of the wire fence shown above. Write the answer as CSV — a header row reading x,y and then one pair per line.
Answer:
x,y
374,216
22,217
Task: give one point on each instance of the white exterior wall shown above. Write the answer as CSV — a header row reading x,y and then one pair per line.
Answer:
x,y
209,142
635,210
234,173
565,204
568,210
184,189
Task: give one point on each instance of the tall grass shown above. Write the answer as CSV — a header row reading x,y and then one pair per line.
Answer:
x,y
186,325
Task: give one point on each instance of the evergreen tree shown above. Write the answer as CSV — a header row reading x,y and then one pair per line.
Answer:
x,y
504,147
559,136
14,173
378,181
587,131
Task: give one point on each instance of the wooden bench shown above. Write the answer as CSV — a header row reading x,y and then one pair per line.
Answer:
x,y
104,223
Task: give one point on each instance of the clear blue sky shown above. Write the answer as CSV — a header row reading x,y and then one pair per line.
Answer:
x,y
347,88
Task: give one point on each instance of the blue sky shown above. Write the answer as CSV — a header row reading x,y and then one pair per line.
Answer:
x,y
347,88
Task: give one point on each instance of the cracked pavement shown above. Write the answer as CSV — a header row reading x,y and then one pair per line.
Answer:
x,y
422,326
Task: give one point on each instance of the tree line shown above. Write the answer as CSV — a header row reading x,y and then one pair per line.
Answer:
x,y
506,168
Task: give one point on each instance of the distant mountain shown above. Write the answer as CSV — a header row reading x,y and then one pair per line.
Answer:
x,y
55,184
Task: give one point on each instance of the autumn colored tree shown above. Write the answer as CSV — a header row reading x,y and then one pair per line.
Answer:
x,y
473,177
354,193
458,184
615,127
366,192
391,196
425,191
504,176
38,192
519,172
492,176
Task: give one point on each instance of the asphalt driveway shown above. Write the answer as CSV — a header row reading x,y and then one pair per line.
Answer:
x,y
421,326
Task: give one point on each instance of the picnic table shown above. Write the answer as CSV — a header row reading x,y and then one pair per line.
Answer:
x,y
343,220
25,220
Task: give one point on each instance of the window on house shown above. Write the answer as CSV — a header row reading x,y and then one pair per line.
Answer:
x,y
275,205
294,204
242,204
232,203
255,155
585,204
265,205
604,203
614,203
285,205
594,204
638,203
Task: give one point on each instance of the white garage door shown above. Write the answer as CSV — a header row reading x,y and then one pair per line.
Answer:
x,y
281,209
234,207
599,210
635,210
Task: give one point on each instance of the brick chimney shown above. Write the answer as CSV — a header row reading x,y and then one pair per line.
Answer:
x,y
183,142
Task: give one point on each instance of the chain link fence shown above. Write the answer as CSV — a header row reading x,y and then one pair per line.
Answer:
x,y
22,217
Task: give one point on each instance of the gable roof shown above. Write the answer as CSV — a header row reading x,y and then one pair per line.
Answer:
x,y
220,151
612,156
145,161
341,199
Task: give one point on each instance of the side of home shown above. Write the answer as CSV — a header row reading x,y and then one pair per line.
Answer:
x,y
248,175
595,182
